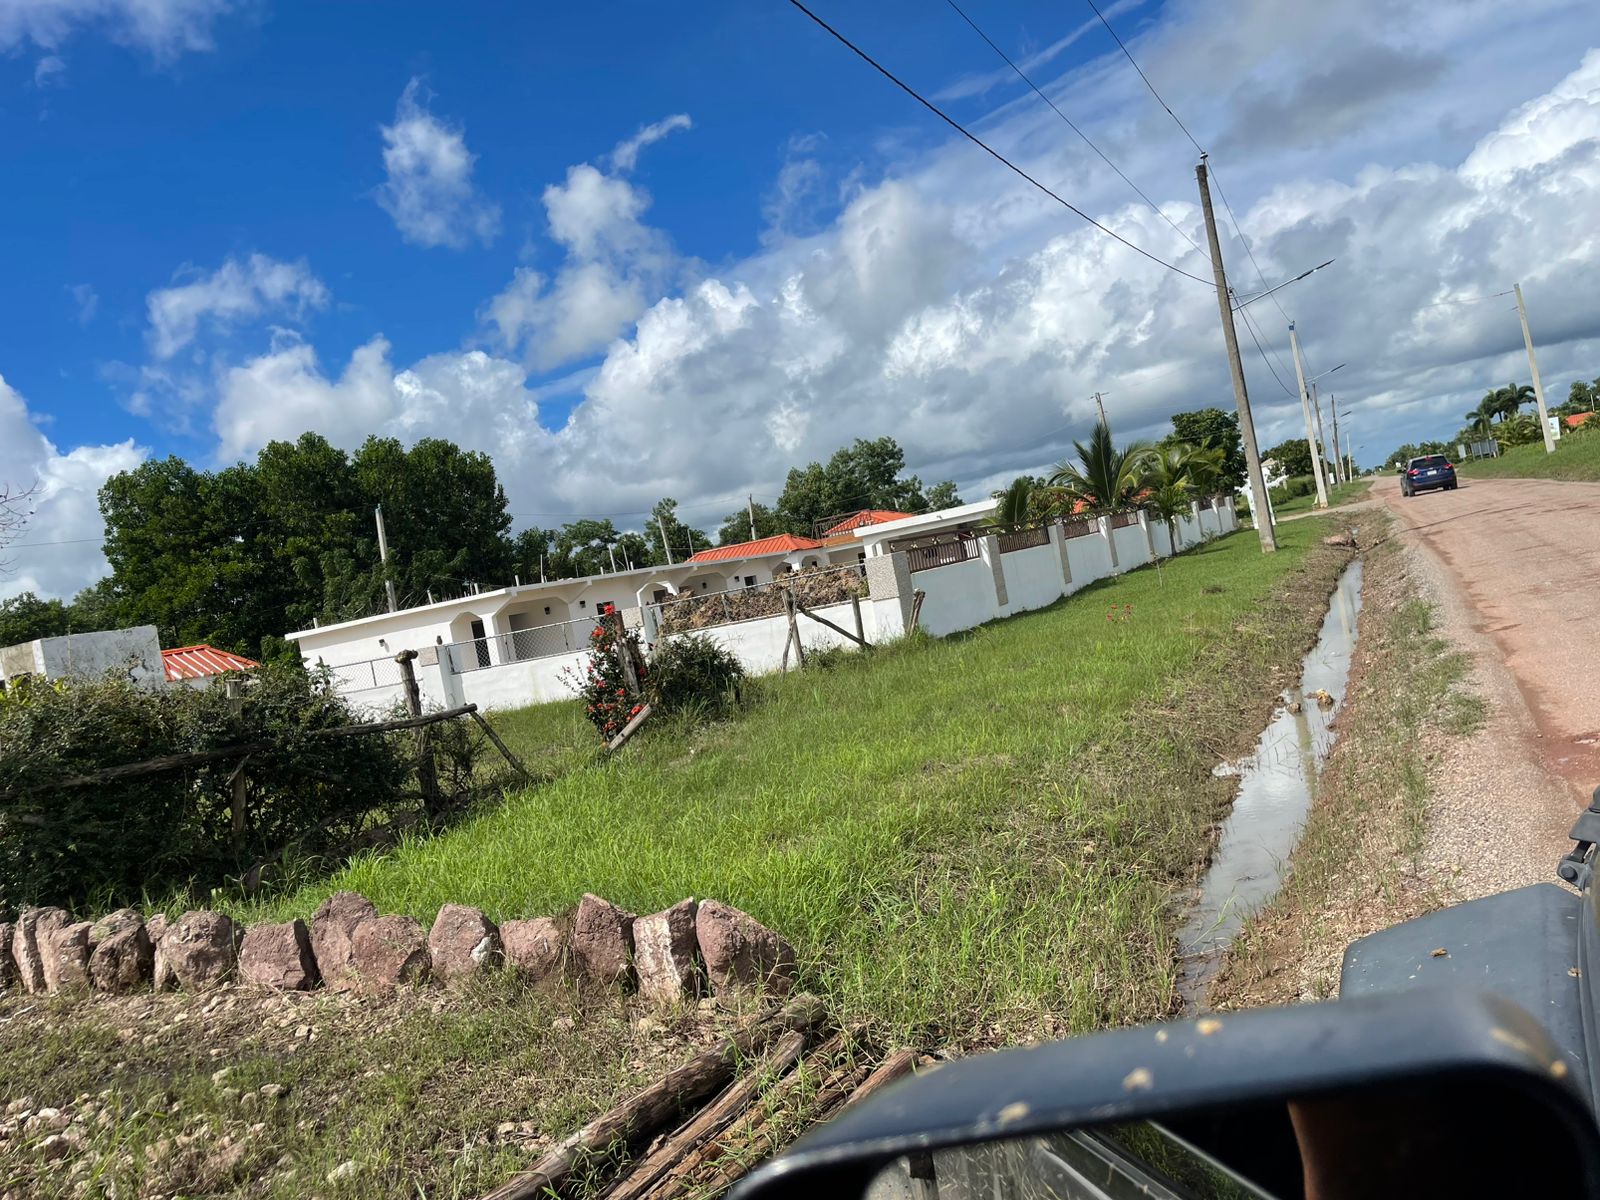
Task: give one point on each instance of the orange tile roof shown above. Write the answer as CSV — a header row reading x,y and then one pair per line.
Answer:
x,y
867,516
196,662
781,543
1573,420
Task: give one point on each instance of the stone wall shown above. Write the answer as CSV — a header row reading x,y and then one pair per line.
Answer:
x,y
679,953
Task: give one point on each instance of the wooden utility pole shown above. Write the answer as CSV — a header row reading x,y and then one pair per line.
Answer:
x,y
1241,398
1339,475
1533,365
1305,411
1101,405
427,774
233,689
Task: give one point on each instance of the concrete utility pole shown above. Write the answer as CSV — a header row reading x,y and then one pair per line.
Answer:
x,y
1533,365
383,557
1100,404
750,502
1322,441
1305,411
1339,475
1260,506
661,524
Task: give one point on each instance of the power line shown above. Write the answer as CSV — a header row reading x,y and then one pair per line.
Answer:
x,y
1087,141
1250,328
1145,77
984,146
1467,300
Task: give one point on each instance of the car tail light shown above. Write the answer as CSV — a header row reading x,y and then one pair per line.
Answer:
x,y
1449,466
1413,472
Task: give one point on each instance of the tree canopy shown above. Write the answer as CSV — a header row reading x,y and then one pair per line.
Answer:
x,y
1214,429
864,474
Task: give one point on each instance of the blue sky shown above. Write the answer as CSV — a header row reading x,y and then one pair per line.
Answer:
x,y
232,221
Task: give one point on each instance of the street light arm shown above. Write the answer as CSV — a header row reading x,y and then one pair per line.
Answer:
x,y
1284,284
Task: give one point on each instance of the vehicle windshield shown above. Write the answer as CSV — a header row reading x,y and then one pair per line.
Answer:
x,y
1431,460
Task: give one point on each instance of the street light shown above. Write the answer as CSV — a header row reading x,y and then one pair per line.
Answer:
x,y
1261,295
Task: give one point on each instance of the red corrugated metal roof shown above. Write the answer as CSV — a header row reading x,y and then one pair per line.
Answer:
x,y
867,516
196,662
782,543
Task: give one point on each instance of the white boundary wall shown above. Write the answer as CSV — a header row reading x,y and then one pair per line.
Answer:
x,y
960,596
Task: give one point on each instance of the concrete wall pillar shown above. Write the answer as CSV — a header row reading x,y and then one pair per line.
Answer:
x,y
989,551
1058,539
889,589
1149,538
1111,542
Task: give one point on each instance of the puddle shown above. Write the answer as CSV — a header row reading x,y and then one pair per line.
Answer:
x,y
1276,786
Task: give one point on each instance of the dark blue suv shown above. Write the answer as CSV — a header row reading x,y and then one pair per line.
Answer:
x,y
1426,473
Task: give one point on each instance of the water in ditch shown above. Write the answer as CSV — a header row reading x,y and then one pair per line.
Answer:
x,y
1277,783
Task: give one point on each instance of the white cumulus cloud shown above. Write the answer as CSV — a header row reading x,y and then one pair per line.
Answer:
x,y
58,550
237,291
429,190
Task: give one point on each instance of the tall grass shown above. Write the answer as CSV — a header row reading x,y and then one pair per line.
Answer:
x,y
974,839
1577,456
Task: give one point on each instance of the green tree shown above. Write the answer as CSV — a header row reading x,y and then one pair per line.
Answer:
x,y
941,495
1508,401
864,474
1175,475
588,545
1213,429
1292,457
1107,476
681,539
25,617
736,525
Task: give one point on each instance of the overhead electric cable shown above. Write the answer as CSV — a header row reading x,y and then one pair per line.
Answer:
x,y
1251,329
1154,207
984,146
1129,55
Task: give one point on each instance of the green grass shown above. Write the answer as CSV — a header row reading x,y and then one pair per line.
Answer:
x,y
1341,493
968,839
1576,457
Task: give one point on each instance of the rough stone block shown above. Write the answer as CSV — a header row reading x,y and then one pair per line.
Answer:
x,y
123,958
389,951
278,956
463,942
602,941
200,949
8,965
64,951
333,926
535,948
25,944
664,954
740,953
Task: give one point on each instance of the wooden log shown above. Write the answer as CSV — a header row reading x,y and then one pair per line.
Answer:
x,y
862,642
488,732
789,605
917,597
712,1120
642,1114
427,771
628,730
855,609
897,1064
752,1134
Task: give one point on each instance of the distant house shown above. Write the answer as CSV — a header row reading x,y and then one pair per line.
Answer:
x,y
198,666
1573,420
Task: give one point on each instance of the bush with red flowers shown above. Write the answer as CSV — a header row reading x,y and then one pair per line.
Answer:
x,y
599,681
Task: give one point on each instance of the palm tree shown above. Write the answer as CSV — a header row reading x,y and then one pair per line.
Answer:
x,y
1173,476
1508,401
1107,477
1480,417
1016,502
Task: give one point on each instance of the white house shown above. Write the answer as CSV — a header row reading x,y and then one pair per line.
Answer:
x,y
519,645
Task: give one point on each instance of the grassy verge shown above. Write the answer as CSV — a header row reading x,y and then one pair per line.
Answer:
x,y
1340,493
967,839
1356,868
971,840
1576,457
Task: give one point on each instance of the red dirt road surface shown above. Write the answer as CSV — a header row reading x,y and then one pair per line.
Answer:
x,y
1525,555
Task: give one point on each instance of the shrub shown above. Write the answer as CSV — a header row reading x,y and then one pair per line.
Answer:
x,y
691,671
124,837
601,684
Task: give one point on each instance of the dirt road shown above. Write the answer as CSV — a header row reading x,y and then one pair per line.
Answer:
x,y
1514,567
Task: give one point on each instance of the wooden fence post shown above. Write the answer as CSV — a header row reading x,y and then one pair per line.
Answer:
x,y
794,626
427,773
630,673
233,689
855,608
